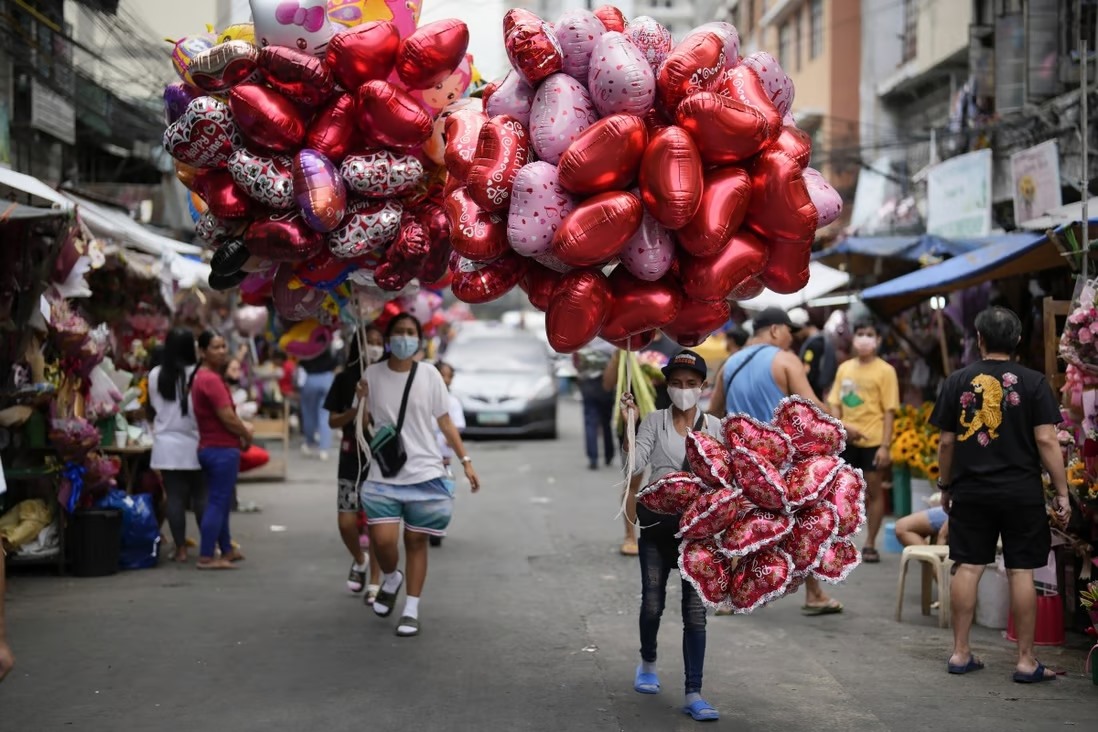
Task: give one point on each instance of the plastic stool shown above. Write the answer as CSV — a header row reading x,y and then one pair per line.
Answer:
x,y
1050,622
935,559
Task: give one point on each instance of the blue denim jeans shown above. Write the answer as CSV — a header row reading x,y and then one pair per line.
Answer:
x,y
659,556
314,417
598,413
221,466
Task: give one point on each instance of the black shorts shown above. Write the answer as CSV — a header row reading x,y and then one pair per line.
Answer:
x,y
975,528
861,457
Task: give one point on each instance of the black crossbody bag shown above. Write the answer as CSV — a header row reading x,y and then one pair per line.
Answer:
x,y
386,445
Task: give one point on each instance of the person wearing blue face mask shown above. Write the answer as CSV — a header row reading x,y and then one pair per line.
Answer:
x,y
418,493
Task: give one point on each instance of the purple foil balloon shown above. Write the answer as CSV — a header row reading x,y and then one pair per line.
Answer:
x,y
319,190
562,109
538,207
578,31
514,97
177,96
648,253
651,38
620,80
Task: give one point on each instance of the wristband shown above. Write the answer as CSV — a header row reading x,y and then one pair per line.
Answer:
x,y
942,486
466,460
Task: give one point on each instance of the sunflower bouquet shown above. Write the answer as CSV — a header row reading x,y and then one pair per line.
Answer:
x,y
916,441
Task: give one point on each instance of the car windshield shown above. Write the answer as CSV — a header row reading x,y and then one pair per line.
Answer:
x,y
497,353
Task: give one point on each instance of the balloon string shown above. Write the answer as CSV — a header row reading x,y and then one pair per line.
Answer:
x,y
360,416
630,441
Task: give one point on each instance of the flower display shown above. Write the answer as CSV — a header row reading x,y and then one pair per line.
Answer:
x,y
916,440
1079,341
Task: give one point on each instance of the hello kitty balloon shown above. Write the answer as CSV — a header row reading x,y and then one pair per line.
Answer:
x,y
299,24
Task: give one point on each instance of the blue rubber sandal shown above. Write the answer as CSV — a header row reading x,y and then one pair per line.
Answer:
x,y
646,683
1036,677
701,711
972,665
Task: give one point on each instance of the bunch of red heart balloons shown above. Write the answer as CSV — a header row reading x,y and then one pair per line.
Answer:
x,y
308,140
630,185
766,508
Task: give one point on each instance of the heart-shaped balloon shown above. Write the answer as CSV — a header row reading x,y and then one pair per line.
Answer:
x,y
539,205
392,277
809,479
813,530
839,560
787,269
597,229
390,116
761,482
604,157
266,118
612,18
847,494
759,579
577,310
222,283
726,130
250,320
477,283
318,190
742,84
502,149
381,174
711,513
746,290
766,440
778,85
796,143
671,177
332,131
578,31
325,271
177,96
539,283
267,180
283,237
204,136
223,197
651,38
728,34
432,52
713,278
813,432
476,234
293,299
300,77
462,133
672,494
780,206
696,321
222,67
723,205
828,202
257,287
650,251
710,460
229,258
561,111
619,77
367,227
213,230
364,53
708,572
755,530
639,305
532,46
513,97
694,65
435,148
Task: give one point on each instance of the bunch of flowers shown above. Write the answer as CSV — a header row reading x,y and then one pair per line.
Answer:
x,y
69,329
916,441
73,437
1079,341
101,472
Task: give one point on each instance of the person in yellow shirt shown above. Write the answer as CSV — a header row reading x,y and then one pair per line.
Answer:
x,y
865,396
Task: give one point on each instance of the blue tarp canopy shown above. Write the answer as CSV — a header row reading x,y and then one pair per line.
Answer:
x,y
873,254
1004,255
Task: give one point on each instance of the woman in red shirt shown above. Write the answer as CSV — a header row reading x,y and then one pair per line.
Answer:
x,y
221,435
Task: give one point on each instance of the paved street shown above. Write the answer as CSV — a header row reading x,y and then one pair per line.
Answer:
x,y
529,620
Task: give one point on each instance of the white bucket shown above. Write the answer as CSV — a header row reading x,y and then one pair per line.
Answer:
x,y
921,491
993,599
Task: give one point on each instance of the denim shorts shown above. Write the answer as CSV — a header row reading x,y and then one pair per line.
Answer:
x,y
425,508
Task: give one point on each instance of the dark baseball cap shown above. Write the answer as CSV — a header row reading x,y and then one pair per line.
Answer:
x,y
774,316
686,359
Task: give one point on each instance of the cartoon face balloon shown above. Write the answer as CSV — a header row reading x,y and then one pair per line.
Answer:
x,y
300,24
349,13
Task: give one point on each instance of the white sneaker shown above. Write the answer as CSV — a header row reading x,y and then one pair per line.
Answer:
x,y
306,450
323,455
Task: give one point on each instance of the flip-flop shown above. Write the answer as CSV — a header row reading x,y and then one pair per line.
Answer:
x,y
833,607
1036,677
387,599
645,683
972,665
629,548
871,555
701,711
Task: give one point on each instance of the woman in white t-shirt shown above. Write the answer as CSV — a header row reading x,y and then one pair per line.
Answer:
x,y
175,436
418,493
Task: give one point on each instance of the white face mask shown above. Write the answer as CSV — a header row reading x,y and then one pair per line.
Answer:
x,y
865,345
374,353
684,399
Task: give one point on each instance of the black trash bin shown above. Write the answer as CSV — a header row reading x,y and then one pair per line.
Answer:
x,y
95,542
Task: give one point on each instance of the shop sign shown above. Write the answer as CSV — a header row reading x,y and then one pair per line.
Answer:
x,y
53,114
1035,180
959,196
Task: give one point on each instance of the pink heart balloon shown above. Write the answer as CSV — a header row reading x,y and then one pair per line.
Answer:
x,y
847,494
649,253
838,561
809,479
672,494
828,202
702,565
812,431
620,79
759,579
755,530
562,109
578,31
813,529
760,481
539,205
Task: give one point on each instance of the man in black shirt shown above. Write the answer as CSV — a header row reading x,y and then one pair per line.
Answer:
x,y
998,421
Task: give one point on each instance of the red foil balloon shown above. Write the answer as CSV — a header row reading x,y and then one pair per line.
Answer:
x,y
606,156
759,579
222,67
532,46
611,17
225,199
391,116
597,229
744,85
712,278
299,76
318,190
726,130
671,178
502,149
723,207
635,343
477,283
577,310
694,65
283,237
696,321
266,118
780,206
363,53
333,129
431,53
787,270
476,234
539,284
749,288
639,306
462,133
795,143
